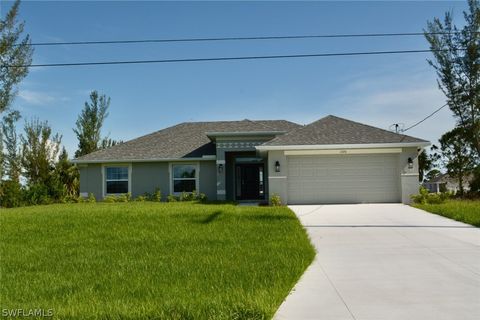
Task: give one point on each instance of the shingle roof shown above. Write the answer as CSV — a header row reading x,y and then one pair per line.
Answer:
x,y
335,130
184,140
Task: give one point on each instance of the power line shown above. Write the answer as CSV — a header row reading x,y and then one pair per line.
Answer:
x,y
341,54
358,35
429,116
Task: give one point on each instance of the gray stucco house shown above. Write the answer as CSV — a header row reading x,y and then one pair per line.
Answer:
x,y
332,160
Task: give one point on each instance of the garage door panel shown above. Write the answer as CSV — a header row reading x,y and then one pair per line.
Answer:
x,y
343,179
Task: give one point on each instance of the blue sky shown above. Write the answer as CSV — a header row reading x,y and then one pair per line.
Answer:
x,y
378,90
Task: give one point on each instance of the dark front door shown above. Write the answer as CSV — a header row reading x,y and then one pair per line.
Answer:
x,y
249,181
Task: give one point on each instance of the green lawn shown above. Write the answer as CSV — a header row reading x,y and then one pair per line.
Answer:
x,y
150,260
467,211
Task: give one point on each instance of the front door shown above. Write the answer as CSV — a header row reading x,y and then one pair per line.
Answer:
x,y
249,181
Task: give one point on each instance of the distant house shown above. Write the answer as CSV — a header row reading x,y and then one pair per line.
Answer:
x,y
445,182
332,160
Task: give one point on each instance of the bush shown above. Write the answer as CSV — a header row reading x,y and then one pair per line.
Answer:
x,y
110,199
37,194
275,200
172,198
91,198
425,197
156,196
141,199
12,194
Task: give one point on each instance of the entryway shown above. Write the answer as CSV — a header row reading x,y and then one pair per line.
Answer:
x,y
249,181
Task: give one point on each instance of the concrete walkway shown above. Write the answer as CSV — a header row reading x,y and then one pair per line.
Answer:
x,y
386,261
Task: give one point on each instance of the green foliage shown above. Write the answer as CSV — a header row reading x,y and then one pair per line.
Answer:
x,y
432,174
67,174
12,194
425,197
91,198
275,200
110,199
156,196
458,70
37,194
141,199
151,260
172,198
89,124
12,166
467,211
14,50
40,149
425,163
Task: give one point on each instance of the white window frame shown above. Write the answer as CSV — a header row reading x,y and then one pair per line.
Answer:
x,y
197,175
104,177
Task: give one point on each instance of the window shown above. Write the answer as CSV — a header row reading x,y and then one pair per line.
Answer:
x,y
184,177
116,180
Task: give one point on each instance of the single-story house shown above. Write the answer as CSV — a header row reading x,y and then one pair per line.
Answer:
x,y
332,160
444,182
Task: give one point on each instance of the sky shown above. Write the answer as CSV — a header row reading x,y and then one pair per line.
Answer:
x,y
377,90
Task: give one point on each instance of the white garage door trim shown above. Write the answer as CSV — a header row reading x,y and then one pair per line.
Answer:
x,y
365,178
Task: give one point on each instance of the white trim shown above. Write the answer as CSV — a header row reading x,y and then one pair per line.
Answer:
x,y
277,177
197,175
345,146
104,181
221,192
409,174
342,151
220,161
204,158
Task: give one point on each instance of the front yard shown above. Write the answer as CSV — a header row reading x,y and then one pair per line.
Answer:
x,y
150,260
467,211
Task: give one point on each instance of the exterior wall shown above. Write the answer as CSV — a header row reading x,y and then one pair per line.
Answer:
x,y
409,184
409,177
208,184
91,180
147,176
277,181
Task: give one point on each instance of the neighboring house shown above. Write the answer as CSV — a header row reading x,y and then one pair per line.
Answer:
x,y
332,160
444,183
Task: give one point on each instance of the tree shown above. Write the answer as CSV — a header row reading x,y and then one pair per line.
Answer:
x,y
15,56
89,124
67,174
12,157
432,174
456,153
457,63
424,164
39,152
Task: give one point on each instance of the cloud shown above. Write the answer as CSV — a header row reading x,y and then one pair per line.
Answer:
x,y
40,98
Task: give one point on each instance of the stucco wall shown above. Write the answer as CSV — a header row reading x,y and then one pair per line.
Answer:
x,y
91,180
409,177
277,181
147,176
208,182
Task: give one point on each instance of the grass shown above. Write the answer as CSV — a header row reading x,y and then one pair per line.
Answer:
x,y
150,260
467,211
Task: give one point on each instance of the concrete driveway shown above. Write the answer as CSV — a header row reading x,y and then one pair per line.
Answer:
x,y
386,261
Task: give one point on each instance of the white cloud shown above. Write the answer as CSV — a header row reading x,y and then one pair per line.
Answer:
x,y
40,98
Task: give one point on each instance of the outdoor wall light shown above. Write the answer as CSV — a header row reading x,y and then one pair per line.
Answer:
x,y
410,163
220,168
277,166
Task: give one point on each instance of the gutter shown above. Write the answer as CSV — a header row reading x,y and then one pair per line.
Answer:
x,y
204,158
344,146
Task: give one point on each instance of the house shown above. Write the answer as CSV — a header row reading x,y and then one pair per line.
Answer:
x,y
444,182
332,160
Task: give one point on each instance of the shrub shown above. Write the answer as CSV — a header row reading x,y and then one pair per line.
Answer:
x,y
186,196
425,197
172,198
125,197
202,197
156,196
37,194
91,198
275,200
141,199
110,199
12,194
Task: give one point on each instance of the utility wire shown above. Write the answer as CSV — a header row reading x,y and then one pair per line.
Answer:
x,y
341,54
429,116
358,35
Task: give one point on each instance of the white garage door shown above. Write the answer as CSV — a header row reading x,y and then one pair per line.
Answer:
x,y
343,179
